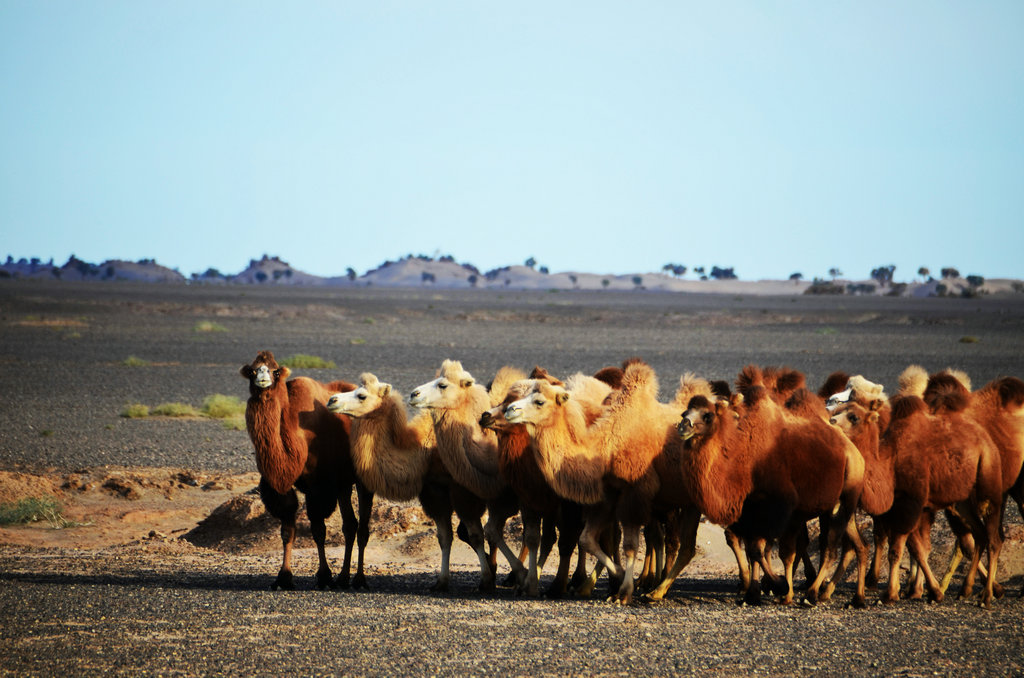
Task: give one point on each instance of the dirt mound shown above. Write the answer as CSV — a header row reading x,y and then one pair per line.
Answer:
x,y
17,486
239,524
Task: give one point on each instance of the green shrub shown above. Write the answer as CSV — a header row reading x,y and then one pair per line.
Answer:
x,y
174,410
969,340
303,361
234,423
34,510
132,361
209,326
135,411
219,406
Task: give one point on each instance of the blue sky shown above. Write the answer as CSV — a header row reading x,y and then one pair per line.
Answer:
x,y
772,137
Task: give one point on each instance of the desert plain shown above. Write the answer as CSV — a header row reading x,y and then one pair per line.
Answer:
x,y
160,562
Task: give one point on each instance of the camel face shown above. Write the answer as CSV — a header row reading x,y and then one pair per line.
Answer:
x,y
263,372
696,421
438,394
362,401
536,407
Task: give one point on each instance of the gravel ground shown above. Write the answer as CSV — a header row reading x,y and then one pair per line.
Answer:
x,y
170,608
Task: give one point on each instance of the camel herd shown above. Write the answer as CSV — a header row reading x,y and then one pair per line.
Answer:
x,y
592,462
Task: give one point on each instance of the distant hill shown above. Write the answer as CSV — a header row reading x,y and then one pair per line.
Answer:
x,y
445,273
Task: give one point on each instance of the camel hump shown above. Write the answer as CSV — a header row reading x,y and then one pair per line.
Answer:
x,y
784,379
913,381
691,385
1011,392
638,376
907,405
611,376
945,393
750,383
834,383
721,388
960,376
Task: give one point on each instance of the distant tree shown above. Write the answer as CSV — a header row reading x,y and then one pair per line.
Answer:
x,y
605,283
883,274
472,280
638,281
278,273
530,263
676,270
924,272
544,270
722,273
427,277
350,273
950,272
573,280
261,276
699,270
834,272
796,277
975,281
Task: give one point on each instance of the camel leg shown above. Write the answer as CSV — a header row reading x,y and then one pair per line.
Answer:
x,y
598,521
916,577
349,527
742,563
803,544
630,544
319,506
531,541
752,596
919,551
853,537
880,537
569,528
788,547
761,550
548,539
654,556
284,507
837,526
498,513
686,529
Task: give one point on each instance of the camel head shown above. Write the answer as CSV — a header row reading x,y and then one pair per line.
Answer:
x,y
362,401
699,418
494,418
446,391
857,388
538,406
852,417
263,372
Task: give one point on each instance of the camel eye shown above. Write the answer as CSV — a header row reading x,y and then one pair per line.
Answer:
x,y
853,418
361,397
538,403
442,386
707,417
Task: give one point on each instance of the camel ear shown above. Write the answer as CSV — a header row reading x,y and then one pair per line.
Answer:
x,y
384,390
721,405
875,405
282,373
465,383
562,397
873,417
246,371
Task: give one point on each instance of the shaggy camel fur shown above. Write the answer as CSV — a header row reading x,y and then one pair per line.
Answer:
x,y
456,402
608,466
537,501
942,460
765,472
397,458
299,445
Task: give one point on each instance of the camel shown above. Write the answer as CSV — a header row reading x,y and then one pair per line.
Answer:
x,y
299,445
763,472
396,458
537,501
469,453
999,408
941,460
607,466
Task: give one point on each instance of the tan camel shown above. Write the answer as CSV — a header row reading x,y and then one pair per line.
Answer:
x,y
469,453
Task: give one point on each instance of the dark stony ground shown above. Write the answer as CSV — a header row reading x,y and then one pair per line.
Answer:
x,y
163,608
